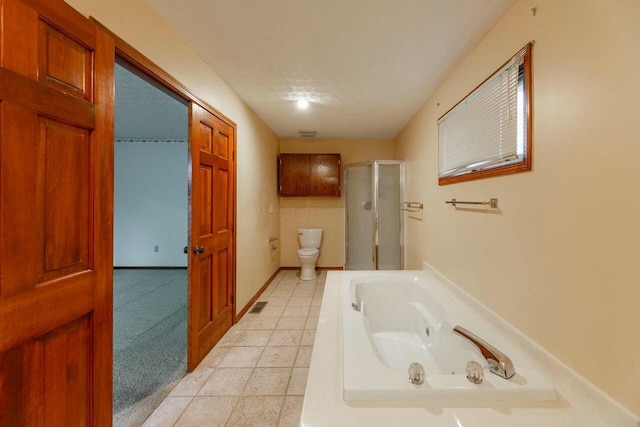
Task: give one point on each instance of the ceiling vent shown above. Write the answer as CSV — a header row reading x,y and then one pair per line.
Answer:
x,y
307,133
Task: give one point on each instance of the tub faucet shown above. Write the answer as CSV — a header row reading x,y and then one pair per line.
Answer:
x,y
499,363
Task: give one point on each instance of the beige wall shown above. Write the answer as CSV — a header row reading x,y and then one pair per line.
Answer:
x,y
257,146
560,260
324,212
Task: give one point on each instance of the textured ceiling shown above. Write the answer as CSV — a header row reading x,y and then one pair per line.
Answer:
x,y
144,111
366,66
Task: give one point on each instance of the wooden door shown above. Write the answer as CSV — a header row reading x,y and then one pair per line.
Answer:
x,y
56,154
211,247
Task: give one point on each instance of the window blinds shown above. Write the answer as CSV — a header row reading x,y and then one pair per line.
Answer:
x,y
486,129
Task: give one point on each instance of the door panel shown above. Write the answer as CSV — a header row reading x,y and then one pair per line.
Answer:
x,y
222,193
66,238
211,307
56,182
206,196
64,63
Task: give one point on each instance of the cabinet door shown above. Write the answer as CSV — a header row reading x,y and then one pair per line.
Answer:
x,y
294,175
325,174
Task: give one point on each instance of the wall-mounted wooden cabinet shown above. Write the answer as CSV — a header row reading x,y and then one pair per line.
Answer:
x,y
305,175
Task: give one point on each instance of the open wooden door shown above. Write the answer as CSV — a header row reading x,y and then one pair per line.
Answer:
x,y
56,153
211,247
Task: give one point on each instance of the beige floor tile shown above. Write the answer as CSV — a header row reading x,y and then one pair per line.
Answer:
x,y
287,286
191,383
263,323
289,337
291,323
268,382
282,293
298,381
256,411
226,382
271,311
302,294
272,287
207,412
278,357
168,412
308,337
253,338
241,325
304,357
314,312
305,286
312,323
318,293
291,411
301,301
278,302
214,357
241,357
295,311
230,337
316,302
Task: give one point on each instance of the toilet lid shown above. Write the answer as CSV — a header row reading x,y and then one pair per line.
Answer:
x,y
308,251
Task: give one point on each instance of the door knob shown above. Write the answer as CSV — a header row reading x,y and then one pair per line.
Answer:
x,y
198,249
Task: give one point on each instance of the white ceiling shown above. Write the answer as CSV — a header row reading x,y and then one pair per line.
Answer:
x,y
143,111
366,66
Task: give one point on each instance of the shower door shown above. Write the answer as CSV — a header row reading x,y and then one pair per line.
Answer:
x,y
374,197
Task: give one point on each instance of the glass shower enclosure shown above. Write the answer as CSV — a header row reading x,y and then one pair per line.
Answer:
x,y
374,222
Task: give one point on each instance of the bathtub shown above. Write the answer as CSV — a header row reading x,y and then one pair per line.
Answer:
x,y
392,320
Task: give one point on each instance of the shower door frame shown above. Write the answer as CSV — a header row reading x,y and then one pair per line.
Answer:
x,y
374,212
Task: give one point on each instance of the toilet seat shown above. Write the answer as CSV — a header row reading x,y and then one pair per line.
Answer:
x,y
308,251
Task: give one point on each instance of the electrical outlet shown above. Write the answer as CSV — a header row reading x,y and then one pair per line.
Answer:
x,y
156,248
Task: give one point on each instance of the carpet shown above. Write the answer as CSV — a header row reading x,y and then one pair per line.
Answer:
x,y
150,340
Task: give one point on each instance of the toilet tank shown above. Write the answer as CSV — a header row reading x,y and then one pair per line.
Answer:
x,y
310,237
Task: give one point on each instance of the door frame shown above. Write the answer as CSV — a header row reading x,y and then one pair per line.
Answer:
x,y
152,71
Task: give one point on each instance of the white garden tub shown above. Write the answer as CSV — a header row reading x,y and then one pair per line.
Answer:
x,y
391,320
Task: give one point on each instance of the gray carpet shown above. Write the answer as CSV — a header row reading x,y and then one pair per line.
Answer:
x,y
149,339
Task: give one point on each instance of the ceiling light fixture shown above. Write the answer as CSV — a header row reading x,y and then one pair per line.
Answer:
x,y
302,104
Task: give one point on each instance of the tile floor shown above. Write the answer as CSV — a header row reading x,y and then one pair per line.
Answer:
x,y
256,375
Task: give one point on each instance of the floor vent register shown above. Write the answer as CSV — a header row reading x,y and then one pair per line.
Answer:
x,y
257,308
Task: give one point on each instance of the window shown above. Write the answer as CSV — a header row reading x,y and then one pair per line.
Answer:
x,y
488,133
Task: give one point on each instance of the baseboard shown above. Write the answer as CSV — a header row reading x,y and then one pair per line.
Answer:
x,y
317,268
139,267
595,401
256,296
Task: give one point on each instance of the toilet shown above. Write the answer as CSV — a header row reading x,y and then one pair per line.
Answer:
x,y
310,239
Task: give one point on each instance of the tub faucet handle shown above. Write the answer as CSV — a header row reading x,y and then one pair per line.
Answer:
x,y
416,374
